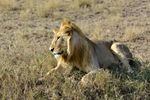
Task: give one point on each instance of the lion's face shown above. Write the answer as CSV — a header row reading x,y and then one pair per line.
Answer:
x,y
59,45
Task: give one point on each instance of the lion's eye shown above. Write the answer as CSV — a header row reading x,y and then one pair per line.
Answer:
x,y
67,31
58,37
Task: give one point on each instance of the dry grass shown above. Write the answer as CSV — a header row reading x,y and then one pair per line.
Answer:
x,y
45,9
97,32
77,4
101,85
7,4
24,55
132,33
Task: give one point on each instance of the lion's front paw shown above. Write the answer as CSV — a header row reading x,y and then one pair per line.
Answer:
x,y
52,71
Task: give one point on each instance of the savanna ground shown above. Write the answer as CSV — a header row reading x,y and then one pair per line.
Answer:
x,y
25,36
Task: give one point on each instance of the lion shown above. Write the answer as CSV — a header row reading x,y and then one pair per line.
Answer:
x,y
71,47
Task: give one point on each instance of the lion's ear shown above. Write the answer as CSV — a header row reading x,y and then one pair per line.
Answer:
x,y
55,31
66,22
66,25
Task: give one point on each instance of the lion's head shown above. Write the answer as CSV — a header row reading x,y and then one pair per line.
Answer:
x,y
67,42
61,40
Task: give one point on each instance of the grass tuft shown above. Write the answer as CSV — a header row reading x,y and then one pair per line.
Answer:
x,y
40,8
77,4
132,33
8,4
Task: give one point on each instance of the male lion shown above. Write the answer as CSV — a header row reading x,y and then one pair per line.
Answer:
x,y
71,47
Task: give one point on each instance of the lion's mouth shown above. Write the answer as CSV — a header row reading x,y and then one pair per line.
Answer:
x,y
58,53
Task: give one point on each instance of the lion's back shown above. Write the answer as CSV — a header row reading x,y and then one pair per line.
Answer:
x,y
104,53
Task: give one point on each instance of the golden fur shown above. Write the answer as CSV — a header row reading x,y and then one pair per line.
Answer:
x,y
71,47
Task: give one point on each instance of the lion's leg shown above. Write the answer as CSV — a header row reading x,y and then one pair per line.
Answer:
x,y
45,77
58,67
126,64
52,70
123,53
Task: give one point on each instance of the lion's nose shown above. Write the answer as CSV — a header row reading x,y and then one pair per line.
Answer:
x,y
51,49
